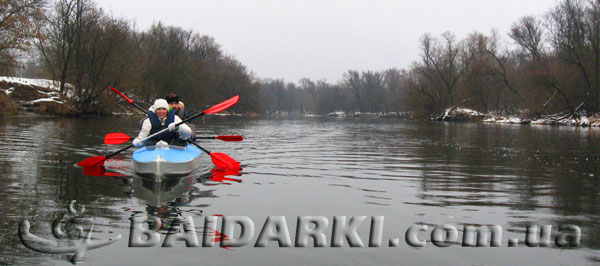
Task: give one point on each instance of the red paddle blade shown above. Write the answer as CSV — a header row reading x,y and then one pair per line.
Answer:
x,y
229,138
94,170
92,161
116,138
99,171
222,106
113,174
223,160
224,172
221,178
122,95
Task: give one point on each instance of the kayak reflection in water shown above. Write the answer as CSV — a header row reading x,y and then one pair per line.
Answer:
x,y
159,118
163,200
169,200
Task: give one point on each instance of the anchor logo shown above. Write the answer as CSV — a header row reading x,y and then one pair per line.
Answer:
x,y
71,231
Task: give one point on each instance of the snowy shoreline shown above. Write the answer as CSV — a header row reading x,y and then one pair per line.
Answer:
x,y
42,96
31,95
580,119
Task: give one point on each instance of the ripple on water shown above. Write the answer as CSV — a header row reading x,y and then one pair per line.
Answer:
x,y
412,172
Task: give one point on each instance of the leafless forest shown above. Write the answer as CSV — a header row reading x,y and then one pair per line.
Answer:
x,y
546,64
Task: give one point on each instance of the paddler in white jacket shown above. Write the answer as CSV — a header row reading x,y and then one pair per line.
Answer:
x,y
159,117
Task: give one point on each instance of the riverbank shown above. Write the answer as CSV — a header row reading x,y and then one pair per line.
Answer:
x,y
580,118
31,95
43,96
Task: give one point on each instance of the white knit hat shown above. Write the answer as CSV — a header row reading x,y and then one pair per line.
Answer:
x,y
160,103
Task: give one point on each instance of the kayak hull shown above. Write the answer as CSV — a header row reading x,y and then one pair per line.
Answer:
x,y
163,161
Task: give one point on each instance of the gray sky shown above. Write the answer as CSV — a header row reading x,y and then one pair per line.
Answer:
x,y
323,39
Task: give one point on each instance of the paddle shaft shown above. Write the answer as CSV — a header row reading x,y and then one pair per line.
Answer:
x,y
151,136
199,147
176,125
129,100
117,152
143,110
95,160
155,134
223,138
139,107
120,138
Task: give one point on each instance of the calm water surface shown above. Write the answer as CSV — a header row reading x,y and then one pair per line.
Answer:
x,y
409,172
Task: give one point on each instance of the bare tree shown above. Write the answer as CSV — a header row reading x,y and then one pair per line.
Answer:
x,y
84,47
574,28
18,27
353,81
503,62
443,63
394,85
527,34
57,42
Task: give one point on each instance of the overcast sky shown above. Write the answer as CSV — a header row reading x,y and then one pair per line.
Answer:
x,y
323,39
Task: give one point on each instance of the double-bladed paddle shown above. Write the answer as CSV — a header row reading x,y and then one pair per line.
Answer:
x,y
120,138
99,160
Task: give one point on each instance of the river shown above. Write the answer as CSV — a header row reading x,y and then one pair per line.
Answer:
x,y
410,172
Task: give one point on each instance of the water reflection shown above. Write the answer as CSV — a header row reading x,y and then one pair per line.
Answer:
x,y
549,173
411,172
165,199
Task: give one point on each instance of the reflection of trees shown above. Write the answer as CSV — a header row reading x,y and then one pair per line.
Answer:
x,y
14,209
36,177
39,179
523,168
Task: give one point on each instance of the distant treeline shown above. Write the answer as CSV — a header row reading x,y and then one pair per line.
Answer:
x,y
357,92
553,67
550,63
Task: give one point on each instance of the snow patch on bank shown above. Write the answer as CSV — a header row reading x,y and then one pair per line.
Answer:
x,y
46,100
37,95
45,83
506,120
458,114
579,118
461,110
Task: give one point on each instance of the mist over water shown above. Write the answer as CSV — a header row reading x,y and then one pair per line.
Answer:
x,y
410,172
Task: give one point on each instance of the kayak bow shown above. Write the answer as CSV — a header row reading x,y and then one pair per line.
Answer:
x,y
164,160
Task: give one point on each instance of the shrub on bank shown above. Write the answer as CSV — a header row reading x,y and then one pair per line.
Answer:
x,y
7,105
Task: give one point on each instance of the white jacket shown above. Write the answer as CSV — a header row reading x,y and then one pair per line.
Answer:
x,y
184,130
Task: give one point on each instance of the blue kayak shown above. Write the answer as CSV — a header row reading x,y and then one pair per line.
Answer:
x,y
164,160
